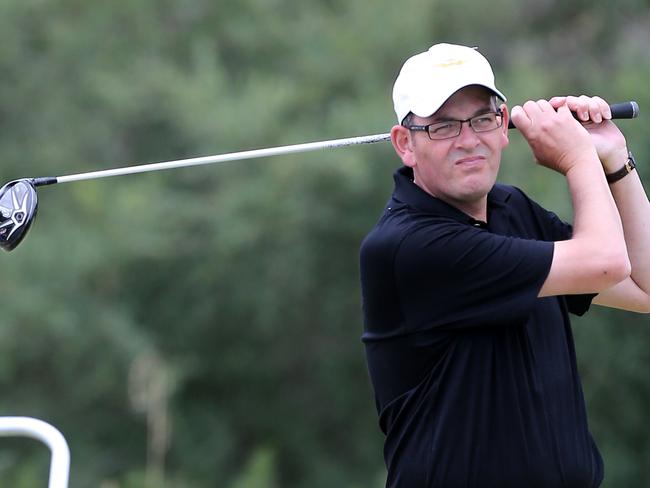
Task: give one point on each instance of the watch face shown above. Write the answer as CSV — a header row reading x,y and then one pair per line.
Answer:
x,y
631,162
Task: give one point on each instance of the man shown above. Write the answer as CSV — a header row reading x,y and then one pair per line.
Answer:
x,y
467,284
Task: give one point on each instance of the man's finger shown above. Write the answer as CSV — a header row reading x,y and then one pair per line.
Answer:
x,y
604,108
519,117
557,101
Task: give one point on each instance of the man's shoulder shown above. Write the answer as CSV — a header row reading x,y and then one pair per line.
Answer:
x,y
526,213
389,230
399,220
514,197
406,230
504,192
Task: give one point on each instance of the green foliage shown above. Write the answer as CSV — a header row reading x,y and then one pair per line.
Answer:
x,y
200,327
259,472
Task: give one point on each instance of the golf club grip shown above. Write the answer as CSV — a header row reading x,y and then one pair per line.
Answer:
x,y
623,110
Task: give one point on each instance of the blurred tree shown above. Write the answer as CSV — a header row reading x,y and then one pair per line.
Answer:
x,y
241,281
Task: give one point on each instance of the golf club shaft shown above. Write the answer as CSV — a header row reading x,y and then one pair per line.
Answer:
x,y
625,110
219,158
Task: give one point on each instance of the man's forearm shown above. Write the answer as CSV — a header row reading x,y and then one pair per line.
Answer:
x,y
634,209
596,215
595,258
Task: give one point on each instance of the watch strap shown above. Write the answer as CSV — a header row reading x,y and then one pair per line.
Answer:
x,y
627,168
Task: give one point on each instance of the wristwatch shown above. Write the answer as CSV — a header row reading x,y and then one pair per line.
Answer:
x,y
627,168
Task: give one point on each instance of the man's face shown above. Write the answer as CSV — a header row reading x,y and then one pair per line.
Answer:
x,y
460,170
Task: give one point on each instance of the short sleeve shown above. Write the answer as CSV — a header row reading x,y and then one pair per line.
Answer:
x,y
452,275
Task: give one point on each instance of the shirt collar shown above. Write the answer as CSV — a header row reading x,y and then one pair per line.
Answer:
x,y
406,191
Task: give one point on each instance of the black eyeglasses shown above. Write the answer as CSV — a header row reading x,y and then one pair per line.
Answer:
x,y
451,128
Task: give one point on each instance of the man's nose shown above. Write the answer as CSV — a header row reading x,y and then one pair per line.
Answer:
x,y
467,136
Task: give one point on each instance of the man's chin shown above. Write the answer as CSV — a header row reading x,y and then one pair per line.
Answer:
x,y
477,188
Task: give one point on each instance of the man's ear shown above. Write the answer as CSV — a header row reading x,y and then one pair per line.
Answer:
x,y
402,141
504,128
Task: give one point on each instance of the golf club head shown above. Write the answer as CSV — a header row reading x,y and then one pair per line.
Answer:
x,y
18,204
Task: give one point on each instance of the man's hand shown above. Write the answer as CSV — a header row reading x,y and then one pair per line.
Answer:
x,y
557,140
595,116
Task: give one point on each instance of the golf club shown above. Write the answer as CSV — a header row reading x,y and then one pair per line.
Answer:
x,y
19,203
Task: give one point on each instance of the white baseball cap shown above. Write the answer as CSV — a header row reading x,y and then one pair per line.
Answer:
x,y
428,79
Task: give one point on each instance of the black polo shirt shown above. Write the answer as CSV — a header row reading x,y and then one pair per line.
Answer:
x,y
475,377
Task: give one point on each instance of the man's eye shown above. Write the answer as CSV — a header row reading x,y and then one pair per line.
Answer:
x,y
442,128
483,120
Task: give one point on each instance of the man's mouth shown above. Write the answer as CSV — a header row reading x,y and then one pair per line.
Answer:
x,y
471,161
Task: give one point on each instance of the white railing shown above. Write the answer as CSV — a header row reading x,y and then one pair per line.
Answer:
x,y
48,435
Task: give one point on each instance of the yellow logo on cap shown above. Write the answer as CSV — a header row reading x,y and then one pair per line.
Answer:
x,y
450,63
